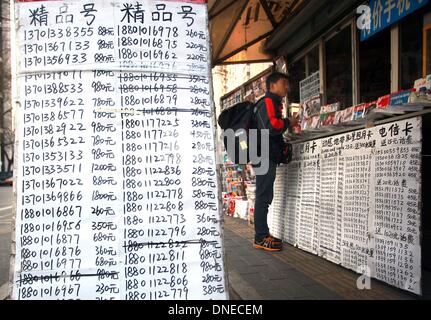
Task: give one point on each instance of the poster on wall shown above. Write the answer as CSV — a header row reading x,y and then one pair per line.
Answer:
x,y
281,65
354,199
116,190
309,88
309,92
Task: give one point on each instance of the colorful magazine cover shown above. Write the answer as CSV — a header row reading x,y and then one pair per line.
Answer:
x,y
401,97
337,117
348,114
327,119
383,102
306,124
312,107
315,122
330,108
423,82
359,111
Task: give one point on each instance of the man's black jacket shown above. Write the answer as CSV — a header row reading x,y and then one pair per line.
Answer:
x,y
269,115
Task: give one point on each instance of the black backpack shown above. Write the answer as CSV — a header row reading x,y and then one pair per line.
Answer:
x,y
239,118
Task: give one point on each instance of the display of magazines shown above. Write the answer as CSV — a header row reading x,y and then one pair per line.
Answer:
x,y
232,99
238,191
252,91
316,118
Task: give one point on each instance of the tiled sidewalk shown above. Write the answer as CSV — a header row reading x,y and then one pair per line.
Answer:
x,y
291,274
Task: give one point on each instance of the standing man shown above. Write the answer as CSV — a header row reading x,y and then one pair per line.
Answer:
x,y
268,116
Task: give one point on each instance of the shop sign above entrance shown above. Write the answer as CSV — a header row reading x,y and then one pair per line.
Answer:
x,y
380,14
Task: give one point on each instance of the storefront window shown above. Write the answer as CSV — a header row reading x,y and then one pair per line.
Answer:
x,y
427,44
313,61
297,73
300,70
339,68
410,50
375,66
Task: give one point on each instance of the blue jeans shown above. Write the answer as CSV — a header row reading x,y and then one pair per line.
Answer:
x,y
264,197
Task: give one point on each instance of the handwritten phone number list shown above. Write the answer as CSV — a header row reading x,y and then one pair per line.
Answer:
x,y
117,189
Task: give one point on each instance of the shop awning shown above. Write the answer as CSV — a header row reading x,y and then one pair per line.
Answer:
x,y
239,28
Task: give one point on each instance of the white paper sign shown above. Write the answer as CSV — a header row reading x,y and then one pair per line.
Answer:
x,y
117,191
354,199
310,87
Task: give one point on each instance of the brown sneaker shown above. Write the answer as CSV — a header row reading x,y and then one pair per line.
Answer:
x,y
268,244
276,240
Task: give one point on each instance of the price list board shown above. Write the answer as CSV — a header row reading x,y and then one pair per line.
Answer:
x,y
278,206
117,189
293,201
309,189
355,199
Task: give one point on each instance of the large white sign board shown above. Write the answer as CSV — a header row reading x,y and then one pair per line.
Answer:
x,y
354,199
117,191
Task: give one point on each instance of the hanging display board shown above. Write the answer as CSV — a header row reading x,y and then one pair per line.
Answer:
x,y
355,199
309,88
278,207
117,191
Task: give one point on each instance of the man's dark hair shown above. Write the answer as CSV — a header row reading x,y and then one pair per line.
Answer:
x,y
273,78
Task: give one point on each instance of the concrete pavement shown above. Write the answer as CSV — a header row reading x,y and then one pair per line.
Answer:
x,y
292,274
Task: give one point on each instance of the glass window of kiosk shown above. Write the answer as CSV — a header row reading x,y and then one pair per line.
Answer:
x,y
296,73
427,50
375,66
410,50
301,69
313,64
338,54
